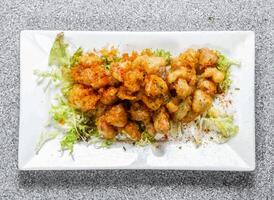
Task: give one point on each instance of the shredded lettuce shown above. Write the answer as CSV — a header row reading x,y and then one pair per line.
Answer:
x,y
79,125
53,75
106,143
76,56
69,140
43,138
163,53
62,111
224,65
146,139
225,84
221,123
59,54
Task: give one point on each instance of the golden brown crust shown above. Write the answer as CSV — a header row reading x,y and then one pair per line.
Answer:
x,y
116,116
83,98
141,89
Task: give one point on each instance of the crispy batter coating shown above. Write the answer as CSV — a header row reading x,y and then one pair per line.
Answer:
x,y
161,120
125,94
95,76
189,58
183,109
141,89
207,58
133,80
185,73
152,102
139,112
116,116
109,95
105,129
173,105
132,130
151,64
213,73
89,60
182,88
83,98
207,86
150,128
154,86
201,101
118,70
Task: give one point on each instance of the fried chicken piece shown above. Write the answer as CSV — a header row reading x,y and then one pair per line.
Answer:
x,y
89,60
207,58
118,70
116,116
95,76
173,105
108,96
183,109
151,64
100,109
185,73
201,101
152,102
139,112
207,86
125,94
133,80
154,86
182,88
132,131
189,58
161,121
213,73
83,98
105,129
150,128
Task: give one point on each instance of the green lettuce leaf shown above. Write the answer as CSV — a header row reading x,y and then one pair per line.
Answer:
x,y
225,84
69,140
62,111
221,123
163,53
76,56
146,138
59,54
224,65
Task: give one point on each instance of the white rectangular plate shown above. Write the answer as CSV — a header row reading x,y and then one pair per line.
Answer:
x,y
238,154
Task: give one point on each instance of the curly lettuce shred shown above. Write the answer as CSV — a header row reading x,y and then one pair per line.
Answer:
x,y
163,53
224,65
78,125
59,54
76,56
69,140
146,138
221,123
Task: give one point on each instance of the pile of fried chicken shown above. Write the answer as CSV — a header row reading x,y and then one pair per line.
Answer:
x,y
138,92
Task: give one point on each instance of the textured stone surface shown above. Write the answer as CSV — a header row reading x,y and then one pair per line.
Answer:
x,y
138,15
